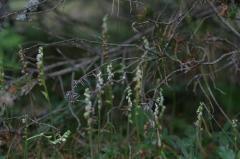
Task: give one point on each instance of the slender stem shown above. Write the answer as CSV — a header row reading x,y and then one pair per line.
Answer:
x,y
25,155
99,127
91,143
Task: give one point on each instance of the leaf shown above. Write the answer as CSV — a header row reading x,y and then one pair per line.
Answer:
x,y
225,153
2,157
233,11
238,155
45,94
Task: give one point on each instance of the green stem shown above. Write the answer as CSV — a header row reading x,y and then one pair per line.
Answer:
x,y
25,154
91,143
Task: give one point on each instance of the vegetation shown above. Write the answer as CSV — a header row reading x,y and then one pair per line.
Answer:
x,y
119,79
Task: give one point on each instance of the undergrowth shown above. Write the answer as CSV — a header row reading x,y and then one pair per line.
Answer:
x,y
159,94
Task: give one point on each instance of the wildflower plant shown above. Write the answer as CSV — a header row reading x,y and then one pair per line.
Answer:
x,y
130,104
158,115
59,140
40,66
138,87
88,115
100,91
99,81
41,73
123,76
23,62
62,138
110,73
235,131
159,104
88,107
106,69
198,122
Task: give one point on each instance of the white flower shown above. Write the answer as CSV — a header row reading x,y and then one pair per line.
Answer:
x,y
109,72
99,80
199,115
234,123
88,108
130,104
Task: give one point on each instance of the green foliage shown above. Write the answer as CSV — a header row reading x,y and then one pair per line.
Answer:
x,y
9,43
233,11
225,153
10,39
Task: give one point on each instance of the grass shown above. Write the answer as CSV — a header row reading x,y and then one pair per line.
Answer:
x,y
163,94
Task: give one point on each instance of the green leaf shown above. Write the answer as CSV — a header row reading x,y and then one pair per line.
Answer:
x,y
45,94
225,153
232,12
238,155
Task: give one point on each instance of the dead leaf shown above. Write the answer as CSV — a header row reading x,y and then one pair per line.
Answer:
x,y
223,10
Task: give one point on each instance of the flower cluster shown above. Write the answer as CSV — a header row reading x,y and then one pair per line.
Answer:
x,y
23,61
234,123
62,138
199,115
138,76
130,104
99,81
138,87
40,65
159,103
99,84
110,73
88,108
